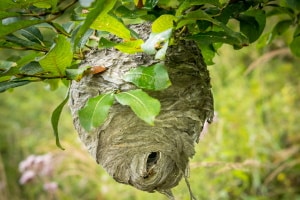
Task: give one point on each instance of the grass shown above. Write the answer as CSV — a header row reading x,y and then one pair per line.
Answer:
x,y
250,152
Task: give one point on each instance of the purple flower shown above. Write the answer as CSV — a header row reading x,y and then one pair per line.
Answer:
x,y
27,176
50,187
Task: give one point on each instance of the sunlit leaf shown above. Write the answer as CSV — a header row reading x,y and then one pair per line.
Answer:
x,y
58,58
153,77
130,46
95,112
111,24
144,106
163,23
101,7
55,119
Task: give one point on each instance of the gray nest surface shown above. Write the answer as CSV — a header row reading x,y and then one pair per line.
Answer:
x,y
150,158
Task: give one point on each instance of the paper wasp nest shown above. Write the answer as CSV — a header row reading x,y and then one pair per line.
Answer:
x,y
150,158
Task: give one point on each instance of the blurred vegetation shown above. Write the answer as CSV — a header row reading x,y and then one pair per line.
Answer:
x,y
250,152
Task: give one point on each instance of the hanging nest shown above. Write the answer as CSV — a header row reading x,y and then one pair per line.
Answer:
x,y
150,158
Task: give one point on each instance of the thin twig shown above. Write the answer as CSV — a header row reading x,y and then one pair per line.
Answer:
x,y
265,58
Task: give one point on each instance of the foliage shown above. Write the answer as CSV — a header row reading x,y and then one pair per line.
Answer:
x,y
250,151
32,26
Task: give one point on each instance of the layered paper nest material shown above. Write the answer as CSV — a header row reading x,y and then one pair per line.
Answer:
x,y
150,158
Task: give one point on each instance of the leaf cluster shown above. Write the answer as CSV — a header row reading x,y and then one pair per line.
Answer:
x,y
52,47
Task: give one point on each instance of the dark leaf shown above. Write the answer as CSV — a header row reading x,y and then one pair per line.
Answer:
x,y
220,36
150,4
294,46
25,43
295,4
55,119
12,84
12,27
252,24
32,34
31,68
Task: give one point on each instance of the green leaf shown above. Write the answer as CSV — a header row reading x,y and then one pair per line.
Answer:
x,y
76,74
12,27
193,16
208,52
154,77
25,43
29,58
33,34
189,3
58,58
7,4
155,40
294,46
130,46
215,37
110,24
124,12
95,112
163,23
4,14
297,31
101,7
6,65
144,106
45,4
31,68
252,24
12,84
85,38
105,43
294,4
282,26
55,119
150,4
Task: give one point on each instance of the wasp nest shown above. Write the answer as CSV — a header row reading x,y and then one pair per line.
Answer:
x,y
150,158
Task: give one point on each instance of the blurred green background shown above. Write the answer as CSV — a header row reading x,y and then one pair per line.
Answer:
x,y
250,152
